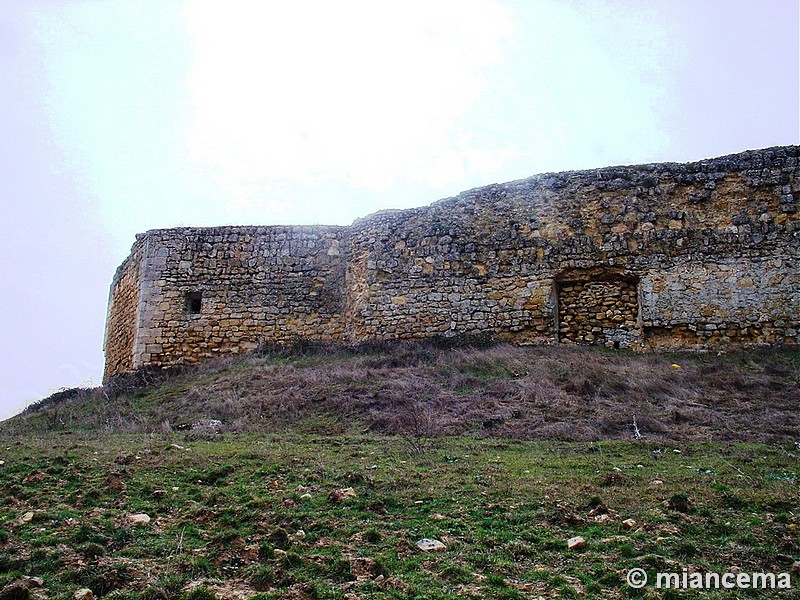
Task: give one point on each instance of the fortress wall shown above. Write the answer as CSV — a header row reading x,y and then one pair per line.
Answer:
x,y
439,271
708,250
662,256
209,291
121,327
734,300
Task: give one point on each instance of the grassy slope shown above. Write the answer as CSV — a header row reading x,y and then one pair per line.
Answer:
x,y
226,516
501,391
712,485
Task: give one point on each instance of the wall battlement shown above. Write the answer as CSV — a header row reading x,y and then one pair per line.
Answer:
x,y
661,256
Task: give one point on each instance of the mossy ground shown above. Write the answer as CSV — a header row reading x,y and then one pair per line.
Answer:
x,y
244,516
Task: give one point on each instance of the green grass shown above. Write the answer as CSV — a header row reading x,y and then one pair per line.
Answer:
x,y
251,515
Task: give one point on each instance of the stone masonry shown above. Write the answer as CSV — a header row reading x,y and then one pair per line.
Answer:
x,y
668,255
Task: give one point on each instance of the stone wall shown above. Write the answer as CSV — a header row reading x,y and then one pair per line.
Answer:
x,y
488,260
210,291
121,319
663,255
740,298
599,311
449,269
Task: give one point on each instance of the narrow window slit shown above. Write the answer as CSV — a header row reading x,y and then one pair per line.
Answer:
x,y
194,302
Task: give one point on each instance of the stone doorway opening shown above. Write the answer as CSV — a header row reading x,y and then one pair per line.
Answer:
x,y
598,306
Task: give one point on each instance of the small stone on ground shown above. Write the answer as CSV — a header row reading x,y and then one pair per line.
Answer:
x,y
576,543
429,545
139,519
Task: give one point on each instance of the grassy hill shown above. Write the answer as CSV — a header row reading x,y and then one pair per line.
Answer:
x,y
424,389
315,474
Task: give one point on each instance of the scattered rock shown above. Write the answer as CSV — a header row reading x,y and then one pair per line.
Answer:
x,y
339,496
616,539
656,482
139,519
576,543
159,493
83,594
27,517
306,496
604,518
301,591
438,517
430,545
35,582
599,510
629,523
300,534
207,426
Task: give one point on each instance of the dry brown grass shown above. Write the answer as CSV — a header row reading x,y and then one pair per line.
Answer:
x,y
419,389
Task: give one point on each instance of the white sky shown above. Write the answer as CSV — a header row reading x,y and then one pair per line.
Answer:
x,y
122,116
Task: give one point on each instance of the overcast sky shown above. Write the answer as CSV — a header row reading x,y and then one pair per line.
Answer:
x,y
121,116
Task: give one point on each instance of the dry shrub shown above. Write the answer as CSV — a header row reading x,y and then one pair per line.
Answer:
x,y
421,388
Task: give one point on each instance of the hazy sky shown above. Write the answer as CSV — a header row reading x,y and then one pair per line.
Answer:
x,y
121,116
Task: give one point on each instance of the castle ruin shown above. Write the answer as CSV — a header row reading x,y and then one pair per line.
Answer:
x,y
658,256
